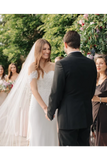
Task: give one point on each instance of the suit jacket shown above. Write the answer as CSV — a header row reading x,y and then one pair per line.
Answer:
x,y
73,87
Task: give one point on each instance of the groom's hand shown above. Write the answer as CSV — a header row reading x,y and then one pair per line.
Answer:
x,y
48,118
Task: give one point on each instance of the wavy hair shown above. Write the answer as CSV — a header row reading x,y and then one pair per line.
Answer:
x,y
38,54
104,57
9,70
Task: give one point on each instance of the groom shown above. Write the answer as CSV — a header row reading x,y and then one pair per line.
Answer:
x,y
73,87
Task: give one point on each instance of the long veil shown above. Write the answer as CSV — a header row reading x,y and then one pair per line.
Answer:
x,y
17,101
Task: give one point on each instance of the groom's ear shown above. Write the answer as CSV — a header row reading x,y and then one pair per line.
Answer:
x,y
65,45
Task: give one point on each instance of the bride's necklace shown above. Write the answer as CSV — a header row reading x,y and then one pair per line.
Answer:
x,y
100,80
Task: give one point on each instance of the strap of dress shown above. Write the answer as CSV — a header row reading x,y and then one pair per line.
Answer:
x,y
33,75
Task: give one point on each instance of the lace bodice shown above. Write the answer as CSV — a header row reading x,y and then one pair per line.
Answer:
x,y
44,84
33,75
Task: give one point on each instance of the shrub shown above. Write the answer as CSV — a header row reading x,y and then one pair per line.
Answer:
x,y
55,27
93,33
18,35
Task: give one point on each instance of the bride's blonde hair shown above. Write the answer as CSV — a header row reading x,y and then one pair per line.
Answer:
x,y
38,54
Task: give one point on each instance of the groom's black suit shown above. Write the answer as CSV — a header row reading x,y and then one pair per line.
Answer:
x,y
72,90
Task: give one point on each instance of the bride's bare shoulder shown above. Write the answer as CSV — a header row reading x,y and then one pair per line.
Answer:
x,y
31,68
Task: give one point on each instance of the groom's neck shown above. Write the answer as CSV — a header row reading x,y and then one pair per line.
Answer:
x,y
72,50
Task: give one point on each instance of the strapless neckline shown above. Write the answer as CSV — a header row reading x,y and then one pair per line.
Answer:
x,y
48,72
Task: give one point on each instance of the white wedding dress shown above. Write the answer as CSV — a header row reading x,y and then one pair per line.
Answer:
x,y
42,131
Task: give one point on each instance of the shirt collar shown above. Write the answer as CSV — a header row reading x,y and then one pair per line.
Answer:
x,y
74,51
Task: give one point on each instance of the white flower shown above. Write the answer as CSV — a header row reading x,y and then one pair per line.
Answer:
x,y
80,21
91,23
90,56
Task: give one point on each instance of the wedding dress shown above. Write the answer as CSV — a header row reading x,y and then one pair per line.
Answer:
x,y
43,132
40,130
23,114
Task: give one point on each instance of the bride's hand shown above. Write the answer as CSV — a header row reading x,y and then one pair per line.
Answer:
x,y
45,110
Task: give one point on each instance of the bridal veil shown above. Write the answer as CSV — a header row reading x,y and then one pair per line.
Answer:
x,y
11,111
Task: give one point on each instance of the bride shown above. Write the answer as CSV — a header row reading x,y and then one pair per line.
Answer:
x,y
32,88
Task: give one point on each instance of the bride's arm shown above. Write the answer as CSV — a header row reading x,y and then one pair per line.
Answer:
x,y
34,89
36,94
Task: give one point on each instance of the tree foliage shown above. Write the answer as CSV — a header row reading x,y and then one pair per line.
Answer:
x,y
55,26
93,31
18,32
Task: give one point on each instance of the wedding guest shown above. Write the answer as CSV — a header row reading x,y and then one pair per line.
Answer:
x,y
58,58
12,72
2,72
100,102
3,94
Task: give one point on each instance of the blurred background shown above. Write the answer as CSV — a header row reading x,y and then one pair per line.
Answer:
x,y
18,32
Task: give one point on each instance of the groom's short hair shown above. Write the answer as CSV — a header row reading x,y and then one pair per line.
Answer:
x,y
72,38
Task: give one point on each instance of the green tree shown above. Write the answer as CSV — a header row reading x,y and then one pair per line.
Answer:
x,y
55,26
93,31
18,32
3,59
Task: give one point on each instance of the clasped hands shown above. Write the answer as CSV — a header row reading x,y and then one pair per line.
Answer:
x,y
45,110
